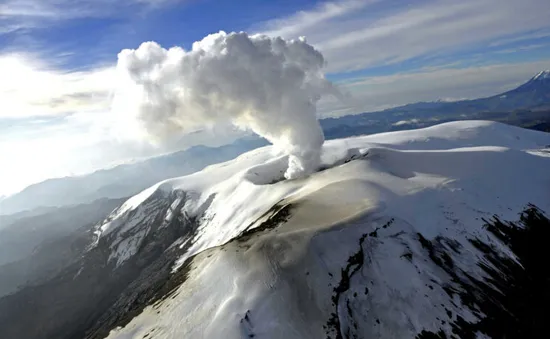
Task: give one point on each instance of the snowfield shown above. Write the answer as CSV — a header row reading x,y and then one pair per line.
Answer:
x,y
347,252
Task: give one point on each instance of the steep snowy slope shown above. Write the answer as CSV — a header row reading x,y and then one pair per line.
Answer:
x,y
394,237
228,198
378,244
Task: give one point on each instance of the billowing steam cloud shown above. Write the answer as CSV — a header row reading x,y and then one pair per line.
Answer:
x,y
267,85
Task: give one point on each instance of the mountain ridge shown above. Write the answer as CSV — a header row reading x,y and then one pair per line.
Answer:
x,y
306,265
532,93
122,180
380,242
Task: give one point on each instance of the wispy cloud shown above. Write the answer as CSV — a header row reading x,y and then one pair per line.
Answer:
x,y
539,34
521,48
29,87
31,10
294,24
380,92
367,36
34,13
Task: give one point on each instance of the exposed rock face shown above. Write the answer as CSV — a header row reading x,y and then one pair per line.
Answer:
x,y
94,288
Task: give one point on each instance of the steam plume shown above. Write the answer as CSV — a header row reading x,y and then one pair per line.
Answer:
x,y
267,85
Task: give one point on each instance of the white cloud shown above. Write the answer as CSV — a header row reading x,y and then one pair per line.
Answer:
x,y
8,27
375,93
539,34
33,13
28,10
292,26
382,33
521,48
29,87
406,122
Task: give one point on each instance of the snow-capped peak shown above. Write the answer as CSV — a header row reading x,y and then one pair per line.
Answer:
x,y
372,246
229,197
542,75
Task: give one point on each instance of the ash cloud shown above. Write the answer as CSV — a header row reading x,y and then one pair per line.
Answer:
x,y
267,85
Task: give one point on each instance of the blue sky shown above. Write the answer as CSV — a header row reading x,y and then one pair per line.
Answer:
x,y
57,58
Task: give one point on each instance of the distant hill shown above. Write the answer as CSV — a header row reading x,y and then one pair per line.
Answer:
x,y
121,181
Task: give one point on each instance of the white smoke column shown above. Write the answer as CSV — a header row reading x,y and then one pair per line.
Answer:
x,y
267,85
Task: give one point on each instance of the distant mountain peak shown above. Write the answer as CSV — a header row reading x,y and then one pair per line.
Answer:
x,y
533,92
542,75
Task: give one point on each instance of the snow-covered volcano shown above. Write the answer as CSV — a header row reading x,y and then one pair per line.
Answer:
x,y
399,235
378,244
